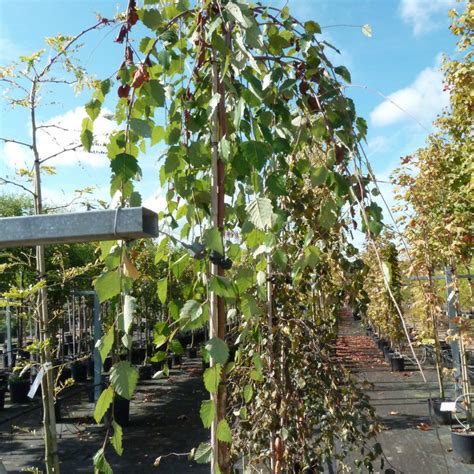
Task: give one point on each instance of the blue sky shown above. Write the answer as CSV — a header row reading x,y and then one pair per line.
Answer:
x,y
401,60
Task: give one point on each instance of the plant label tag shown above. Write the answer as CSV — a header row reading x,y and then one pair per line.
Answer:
x,y
451,295
37,381
448,406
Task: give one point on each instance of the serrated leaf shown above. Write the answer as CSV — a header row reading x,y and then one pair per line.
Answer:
x,y
107,285
162,289
105,343
129,307
218,350
116,439
93,108
151,18
103,404
125,166
224,432
140,127
367,30
176,347
207,413
213,240
86,134
124,377
256,153
212,377
100,463
280,259
260,212
203,453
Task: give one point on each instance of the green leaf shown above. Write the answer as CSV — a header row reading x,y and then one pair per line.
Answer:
x,y
93,108
103,404
124,377
116,439
312,27
203,453
238,15
256,153
218,350
248,393
157,135
129,307
207,413
319,175
176,347
140,127
213,240
86,134
343,72
191,310
156,92
223,432
125,166
222,286
328,215
107,285
367,30
159,340
100,463
212,377
162,289
260,212
151,18
280,259
105,343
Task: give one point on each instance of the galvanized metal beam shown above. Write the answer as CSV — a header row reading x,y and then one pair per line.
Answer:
x,y
112,224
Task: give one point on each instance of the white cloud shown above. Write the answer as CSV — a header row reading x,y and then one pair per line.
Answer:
x,y
9,50
422,100
157,202
63,132
424,15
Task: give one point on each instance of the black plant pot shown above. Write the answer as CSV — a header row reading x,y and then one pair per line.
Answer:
x,y
463,445
19,391
79,371
440,417
169,361
387,353
2,398
138,355
57,409
192,352
121,412
156,366
381,343
90,367
398,364
176,360
144,372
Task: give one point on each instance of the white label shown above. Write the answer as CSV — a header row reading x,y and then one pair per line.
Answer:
x,y
448,406
451,295
36,383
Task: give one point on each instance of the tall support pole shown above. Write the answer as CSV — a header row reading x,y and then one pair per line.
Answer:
x,y
9,337
47,382
217,326
451,310
97,359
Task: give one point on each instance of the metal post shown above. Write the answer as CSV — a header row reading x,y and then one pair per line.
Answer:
x,y
451,310
9,337
97,359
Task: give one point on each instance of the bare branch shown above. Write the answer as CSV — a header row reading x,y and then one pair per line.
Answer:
x,y
10,140
39,127
65,150
13,183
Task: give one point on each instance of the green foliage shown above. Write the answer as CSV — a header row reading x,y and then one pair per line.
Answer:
x,y
103,404
124,378
207,413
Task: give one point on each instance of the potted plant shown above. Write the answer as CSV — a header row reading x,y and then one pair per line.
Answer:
x,y
79,371
145,370
121,410
19,388
462,436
